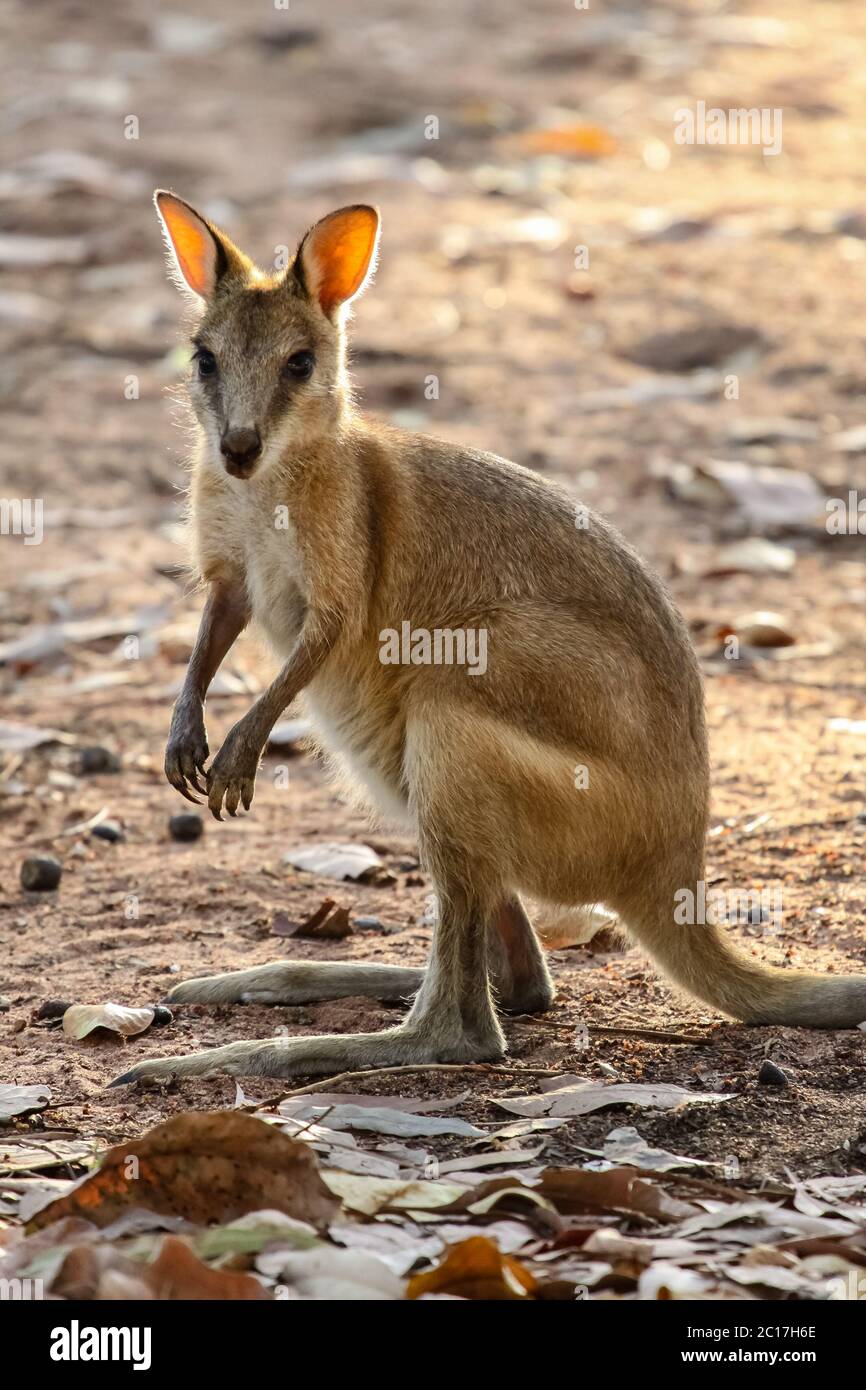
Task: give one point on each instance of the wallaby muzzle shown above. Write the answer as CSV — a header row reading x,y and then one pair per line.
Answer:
x,y
241,449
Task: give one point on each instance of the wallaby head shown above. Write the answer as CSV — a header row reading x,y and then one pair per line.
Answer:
x,y
268,371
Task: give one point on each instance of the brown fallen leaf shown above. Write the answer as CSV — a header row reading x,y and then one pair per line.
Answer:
x,y
179,1274
762,630
476,1268
578,1190
581,140
328,922
95,1272
205,1167
86,1266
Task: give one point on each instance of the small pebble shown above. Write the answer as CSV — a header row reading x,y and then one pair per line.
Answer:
x,y
5,1003
186,825
98,759
41,873
368,923
771,1075
53,1008
110,830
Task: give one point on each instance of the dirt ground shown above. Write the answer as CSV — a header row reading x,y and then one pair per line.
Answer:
x,y
277,117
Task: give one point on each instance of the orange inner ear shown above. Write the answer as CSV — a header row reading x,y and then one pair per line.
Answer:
x,y
192,242
341,247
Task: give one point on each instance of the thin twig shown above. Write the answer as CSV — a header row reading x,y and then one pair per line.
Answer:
x,y
329,1081
648,1034
651,1035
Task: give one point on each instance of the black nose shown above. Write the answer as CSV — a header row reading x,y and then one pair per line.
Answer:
x,y
241,447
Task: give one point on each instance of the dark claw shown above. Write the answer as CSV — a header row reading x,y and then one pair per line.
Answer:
x,y
126,1080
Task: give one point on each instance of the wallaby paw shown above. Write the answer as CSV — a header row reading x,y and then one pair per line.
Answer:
x,y
231,777
209,989
153,1069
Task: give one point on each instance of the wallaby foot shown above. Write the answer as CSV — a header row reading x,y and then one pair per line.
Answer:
x,y
299,982
452,1018
283,1057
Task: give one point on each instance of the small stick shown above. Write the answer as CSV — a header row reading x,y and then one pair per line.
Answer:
x,y
330,1081
648,1034
77,829
651,1034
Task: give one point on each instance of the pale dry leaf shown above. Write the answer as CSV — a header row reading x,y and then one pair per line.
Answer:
x,y
402,1124
333,1274
21,738
625,1145
586,1096
333,860
81,1019
371,1195
21,1100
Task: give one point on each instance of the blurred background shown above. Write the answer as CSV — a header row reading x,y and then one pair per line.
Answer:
x,y
674,330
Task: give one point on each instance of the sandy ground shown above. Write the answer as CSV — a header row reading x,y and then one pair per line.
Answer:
x,y
284,116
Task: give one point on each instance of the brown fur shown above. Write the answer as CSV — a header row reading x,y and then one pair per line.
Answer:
x,y
588,664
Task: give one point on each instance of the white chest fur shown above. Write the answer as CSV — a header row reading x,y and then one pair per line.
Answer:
x,y
274,573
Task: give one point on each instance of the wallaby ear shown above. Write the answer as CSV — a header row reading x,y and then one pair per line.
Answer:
x,y
337,257
198,252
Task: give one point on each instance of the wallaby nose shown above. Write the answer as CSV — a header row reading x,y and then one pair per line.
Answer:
x,y
241,447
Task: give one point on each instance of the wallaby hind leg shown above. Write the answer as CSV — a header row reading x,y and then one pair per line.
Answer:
x,y
521,979
299,982
518,968
452,1018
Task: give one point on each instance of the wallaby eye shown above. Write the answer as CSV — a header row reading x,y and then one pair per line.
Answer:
x,y
300,365
207,364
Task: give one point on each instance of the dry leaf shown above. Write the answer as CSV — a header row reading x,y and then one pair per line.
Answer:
x,y
765,496
20,1100
20,738
476,1268
205,1167
81,1019
178,1274
585,1096
388,1120
582,140
578,1190
332,860
371,1195
754,555
330,1274
327,923
762,630
625,1145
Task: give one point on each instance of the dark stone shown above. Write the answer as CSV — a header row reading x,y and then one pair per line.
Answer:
x,y
52,1008
41,873
705,345
186,825
110,830
98,759
771,1075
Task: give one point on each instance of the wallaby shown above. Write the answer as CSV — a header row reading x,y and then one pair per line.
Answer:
x,y
331,532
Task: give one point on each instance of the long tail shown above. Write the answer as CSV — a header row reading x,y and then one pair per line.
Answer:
x,y
700,959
